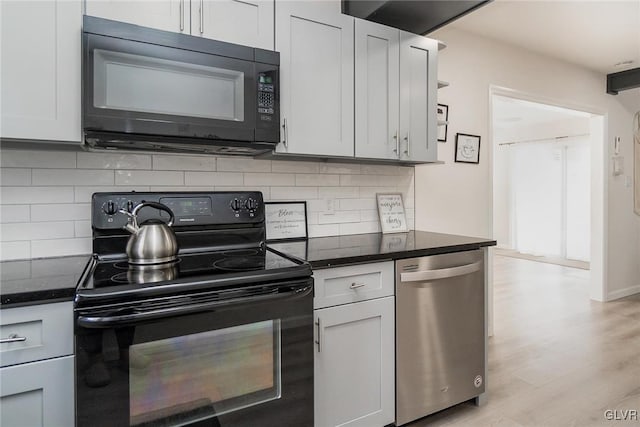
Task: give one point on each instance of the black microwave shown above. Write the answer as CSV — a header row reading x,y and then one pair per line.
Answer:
x,y
147,89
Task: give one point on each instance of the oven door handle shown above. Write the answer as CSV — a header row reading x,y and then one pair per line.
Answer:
x,y
94,322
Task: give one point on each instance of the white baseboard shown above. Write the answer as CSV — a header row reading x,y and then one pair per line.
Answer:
x,y
621,293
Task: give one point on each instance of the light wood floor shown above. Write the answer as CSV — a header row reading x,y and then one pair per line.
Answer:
x,y
556,357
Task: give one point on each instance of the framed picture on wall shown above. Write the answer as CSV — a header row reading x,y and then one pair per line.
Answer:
x,y
443,118
467,148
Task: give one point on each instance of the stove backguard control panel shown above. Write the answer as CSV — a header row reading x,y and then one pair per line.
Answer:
x,y
201,209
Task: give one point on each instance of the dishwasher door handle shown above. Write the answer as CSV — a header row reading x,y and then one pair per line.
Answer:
x,y
443,273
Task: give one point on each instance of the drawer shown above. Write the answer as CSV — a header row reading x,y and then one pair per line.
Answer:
x,y
47,330
343,285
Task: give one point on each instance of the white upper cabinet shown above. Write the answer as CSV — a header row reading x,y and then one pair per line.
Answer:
x,y
40,71
315,42
377,90
418,98
248,23
168,15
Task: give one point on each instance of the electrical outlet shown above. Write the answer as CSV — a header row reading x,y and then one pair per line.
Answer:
x,y
331,206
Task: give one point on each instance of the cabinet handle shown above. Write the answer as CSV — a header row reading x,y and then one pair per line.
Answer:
x,y
319,329
355,285
181,15
408,150
12,338
285,138
201,16
397,149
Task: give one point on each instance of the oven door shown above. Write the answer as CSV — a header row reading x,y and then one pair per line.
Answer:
x,y
237,363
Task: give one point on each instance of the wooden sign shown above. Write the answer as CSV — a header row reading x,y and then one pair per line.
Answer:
x,y
286,220
391,213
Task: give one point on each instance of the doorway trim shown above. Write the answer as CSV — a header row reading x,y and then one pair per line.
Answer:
x,y
599,211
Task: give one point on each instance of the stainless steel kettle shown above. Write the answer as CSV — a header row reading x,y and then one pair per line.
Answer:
x,y
153,241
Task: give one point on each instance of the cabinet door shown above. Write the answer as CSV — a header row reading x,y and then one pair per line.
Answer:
x,y
418,97
248,23
40,71
377,90
354,364
315,42
38,394
168,15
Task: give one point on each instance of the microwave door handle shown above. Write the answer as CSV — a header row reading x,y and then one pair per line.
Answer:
x,y
443,273
88,321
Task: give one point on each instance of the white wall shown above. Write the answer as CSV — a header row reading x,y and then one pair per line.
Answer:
x,y
45,195
457,197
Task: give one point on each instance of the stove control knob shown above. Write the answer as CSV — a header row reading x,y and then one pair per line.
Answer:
x,y
251,204
235,205
109,208
129,206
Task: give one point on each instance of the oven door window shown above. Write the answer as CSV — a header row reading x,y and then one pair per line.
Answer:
x,y
183,379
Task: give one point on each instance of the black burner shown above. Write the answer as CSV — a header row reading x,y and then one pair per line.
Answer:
x,y
240,263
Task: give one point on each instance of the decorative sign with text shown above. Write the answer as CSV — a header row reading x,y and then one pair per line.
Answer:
x,y
391,212
286,220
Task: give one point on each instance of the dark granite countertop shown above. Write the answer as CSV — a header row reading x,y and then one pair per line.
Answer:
x,y
359,248
38,281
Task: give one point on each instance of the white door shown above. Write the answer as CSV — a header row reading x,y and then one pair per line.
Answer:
x,y
315,42
248,23
418,97
38,394
354,364
168,15
377,90
40,72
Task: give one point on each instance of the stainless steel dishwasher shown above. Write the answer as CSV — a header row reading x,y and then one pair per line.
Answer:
x,y
440,332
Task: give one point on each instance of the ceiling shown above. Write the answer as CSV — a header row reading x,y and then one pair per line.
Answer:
x,y
595,34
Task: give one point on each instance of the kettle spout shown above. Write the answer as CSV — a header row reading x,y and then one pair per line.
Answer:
x,y
131,228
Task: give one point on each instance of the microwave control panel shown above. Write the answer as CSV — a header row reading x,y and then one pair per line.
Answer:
x,y
266,95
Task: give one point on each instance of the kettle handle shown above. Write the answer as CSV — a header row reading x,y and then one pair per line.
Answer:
x,y
156,205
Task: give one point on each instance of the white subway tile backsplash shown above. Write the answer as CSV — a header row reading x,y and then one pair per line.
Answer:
x,y
15,176
294,167
72,177
36,230
360,228
37,159
340,168
82,228
83,194
213,178
14,213
338,192
60,212
270,179
141,177
60,247
358,204
243,164
26,195
324,180
324,230
338,217
15,250
294,193
113,161
45,195
167,162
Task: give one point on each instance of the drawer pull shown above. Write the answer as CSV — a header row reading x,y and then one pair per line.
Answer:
x,y
12,338
355,285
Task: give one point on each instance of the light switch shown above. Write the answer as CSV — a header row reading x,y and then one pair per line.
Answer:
x,y
618,165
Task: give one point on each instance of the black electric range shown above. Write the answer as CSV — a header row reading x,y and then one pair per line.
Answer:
x,y
220,337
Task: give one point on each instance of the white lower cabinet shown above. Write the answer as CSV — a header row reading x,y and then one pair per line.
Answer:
x,y
354,364
37,394
37,366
